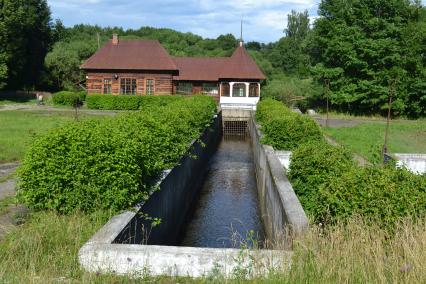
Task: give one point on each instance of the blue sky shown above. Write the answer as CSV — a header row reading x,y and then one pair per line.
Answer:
x,y
264,20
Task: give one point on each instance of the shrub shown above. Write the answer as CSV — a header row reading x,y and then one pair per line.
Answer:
x,y
283,129
127,102
311,165
67,98
384,195
332,188
109,164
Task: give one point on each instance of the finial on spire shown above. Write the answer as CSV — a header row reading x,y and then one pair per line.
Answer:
x,y
241,34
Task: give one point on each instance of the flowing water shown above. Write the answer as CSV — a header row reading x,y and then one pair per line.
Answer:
x,y
227,213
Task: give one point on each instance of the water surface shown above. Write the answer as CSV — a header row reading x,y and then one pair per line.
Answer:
x,y
227,213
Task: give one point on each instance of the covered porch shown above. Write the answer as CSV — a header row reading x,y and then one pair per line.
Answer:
x,y
242,95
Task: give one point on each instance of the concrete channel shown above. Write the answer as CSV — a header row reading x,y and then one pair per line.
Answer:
x,y
128,244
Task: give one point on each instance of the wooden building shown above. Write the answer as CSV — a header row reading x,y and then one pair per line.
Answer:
x,y
143,67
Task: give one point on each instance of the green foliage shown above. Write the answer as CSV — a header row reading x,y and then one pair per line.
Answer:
x,y
110,163
66,98
363,47
382,194
283,129
25,37
332,188
311,165
128,102
292,91
63,63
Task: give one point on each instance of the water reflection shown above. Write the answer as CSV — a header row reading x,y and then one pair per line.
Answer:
x,y
226,214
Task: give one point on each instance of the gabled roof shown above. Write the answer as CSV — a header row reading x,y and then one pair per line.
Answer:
x,y
131,55
241,66
199,68
150,55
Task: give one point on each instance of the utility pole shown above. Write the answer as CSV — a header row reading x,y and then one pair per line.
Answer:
x,y
99,43
327,90
391,94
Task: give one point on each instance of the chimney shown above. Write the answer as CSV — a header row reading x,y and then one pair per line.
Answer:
x,y
115,39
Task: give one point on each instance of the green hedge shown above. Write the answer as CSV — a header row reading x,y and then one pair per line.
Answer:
x,y
283,129
330,186
127,102
311,165
110,163
67,98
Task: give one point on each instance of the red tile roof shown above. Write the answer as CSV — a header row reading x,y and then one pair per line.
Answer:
x,y
131,55
241,66
150,55
199,68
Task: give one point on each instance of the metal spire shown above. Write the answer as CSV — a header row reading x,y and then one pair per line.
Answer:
x,y
241,34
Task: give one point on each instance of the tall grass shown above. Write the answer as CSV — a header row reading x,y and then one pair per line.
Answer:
x,y
357,253
45,248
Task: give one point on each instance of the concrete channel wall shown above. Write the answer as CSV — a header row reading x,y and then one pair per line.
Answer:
x,y
177,193
121,246
282,213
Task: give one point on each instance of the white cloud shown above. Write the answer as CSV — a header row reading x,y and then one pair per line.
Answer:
x,y
264,20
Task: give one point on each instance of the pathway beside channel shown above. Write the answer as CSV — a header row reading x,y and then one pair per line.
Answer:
x,y
11,214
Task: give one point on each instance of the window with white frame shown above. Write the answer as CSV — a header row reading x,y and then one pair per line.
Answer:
x,y
149,85
239,90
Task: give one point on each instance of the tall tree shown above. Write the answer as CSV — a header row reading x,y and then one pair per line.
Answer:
x,y
288,53
376,44
25,38
297,25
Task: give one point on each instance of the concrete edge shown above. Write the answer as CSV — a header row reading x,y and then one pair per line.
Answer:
x,y
152,260
294,212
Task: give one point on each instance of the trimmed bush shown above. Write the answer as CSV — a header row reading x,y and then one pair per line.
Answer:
x,y
283,129
67,98
385,195
110,163
127,102
311,165
332,188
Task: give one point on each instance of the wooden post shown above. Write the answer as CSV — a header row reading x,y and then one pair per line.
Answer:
x,y
391,94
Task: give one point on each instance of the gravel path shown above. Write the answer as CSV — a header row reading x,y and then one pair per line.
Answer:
x,y
52,108
336,122
13,215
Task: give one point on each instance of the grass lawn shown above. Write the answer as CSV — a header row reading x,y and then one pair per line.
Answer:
x,y
18,128
405,136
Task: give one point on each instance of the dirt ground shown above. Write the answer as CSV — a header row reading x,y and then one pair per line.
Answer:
x,y
336,122
13,215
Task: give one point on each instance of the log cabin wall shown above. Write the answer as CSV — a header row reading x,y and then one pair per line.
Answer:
x,y
163,82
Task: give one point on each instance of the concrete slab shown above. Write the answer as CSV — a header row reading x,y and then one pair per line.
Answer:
x,y
415,163
284,157
99,254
